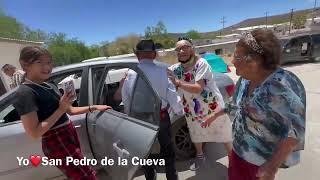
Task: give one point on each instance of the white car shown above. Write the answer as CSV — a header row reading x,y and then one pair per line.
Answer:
x,y
109,134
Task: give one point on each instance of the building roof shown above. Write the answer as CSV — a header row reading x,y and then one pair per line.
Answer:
x,y
21,41
254,27
229,35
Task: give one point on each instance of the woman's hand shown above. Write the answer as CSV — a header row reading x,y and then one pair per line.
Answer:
x,y
173,79
208,121
267,171
101,107
65,102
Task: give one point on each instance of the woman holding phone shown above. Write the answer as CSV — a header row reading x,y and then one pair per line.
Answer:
x,y
44,112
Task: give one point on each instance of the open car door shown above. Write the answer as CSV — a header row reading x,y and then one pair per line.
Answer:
x,y
118,136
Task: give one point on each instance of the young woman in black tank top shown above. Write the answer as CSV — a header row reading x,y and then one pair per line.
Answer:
x,y
44,113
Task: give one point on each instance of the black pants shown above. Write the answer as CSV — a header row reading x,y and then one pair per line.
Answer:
x,y
166,151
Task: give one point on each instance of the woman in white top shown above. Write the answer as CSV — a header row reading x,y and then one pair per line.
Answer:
x,y
201,97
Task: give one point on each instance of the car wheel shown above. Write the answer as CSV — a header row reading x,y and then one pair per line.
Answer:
x,y
181,140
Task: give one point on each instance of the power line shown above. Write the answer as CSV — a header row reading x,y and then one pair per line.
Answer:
x,y
266,19
314,11
291,15
223,22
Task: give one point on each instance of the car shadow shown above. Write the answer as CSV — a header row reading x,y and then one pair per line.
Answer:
x,y
212,168
293,64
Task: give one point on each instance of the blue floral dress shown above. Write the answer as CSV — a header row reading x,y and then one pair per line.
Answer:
x,y
275,110
198,106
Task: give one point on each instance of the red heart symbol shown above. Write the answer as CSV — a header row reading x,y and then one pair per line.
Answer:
x,y
35,160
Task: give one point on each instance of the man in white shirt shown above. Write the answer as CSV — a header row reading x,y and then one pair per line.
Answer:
x,y
15,75
157,75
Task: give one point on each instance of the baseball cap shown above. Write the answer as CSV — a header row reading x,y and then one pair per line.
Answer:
x,y
145,45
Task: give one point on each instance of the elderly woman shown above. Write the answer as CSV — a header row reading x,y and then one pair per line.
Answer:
x,y
269,107
201,97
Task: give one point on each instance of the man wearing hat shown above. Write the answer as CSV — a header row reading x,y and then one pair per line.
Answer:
x,y
157,75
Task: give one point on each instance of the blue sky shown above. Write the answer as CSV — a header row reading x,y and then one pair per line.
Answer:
x,y
103,20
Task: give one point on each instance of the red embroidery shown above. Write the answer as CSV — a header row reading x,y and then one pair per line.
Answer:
x,y
213,106
188,77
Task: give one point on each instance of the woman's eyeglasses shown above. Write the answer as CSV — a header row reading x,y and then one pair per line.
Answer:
x,y
242,58
184,48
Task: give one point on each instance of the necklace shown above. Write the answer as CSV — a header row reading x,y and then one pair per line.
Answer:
x,y
39,85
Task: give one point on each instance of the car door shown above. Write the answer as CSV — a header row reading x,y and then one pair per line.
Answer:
x,y
316,47
15,143
298,49
291,51
115,135
80,79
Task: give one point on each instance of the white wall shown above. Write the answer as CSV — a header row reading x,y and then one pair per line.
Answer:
x,y
9,54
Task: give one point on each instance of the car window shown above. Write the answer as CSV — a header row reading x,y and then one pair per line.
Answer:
x,y
8,115
137,99
299,43
293,43
109,88
143,104
75,77
316,39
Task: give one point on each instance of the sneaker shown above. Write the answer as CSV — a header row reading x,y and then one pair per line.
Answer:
x,y
197,163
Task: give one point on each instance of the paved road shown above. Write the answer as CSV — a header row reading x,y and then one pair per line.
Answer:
x,y
308,169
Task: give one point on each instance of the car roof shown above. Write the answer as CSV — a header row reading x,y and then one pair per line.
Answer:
x,y
94,63
300,35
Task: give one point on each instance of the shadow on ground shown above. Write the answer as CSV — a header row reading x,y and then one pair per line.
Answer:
x,y
293,64
211,170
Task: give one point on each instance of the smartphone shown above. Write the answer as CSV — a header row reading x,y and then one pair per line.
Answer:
x,y
68,87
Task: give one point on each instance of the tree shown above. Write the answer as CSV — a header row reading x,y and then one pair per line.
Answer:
x,y
34,35
122,45
193,34
67,51
63,50
10,27
299,21
160,35
95,51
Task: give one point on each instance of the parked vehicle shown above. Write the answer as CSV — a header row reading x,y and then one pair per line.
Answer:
x,y
302,48
109,134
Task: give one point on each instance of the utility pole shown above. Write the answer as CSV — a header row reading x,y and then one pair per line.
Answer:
x,y
223,22
291,15
314,11
266,19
